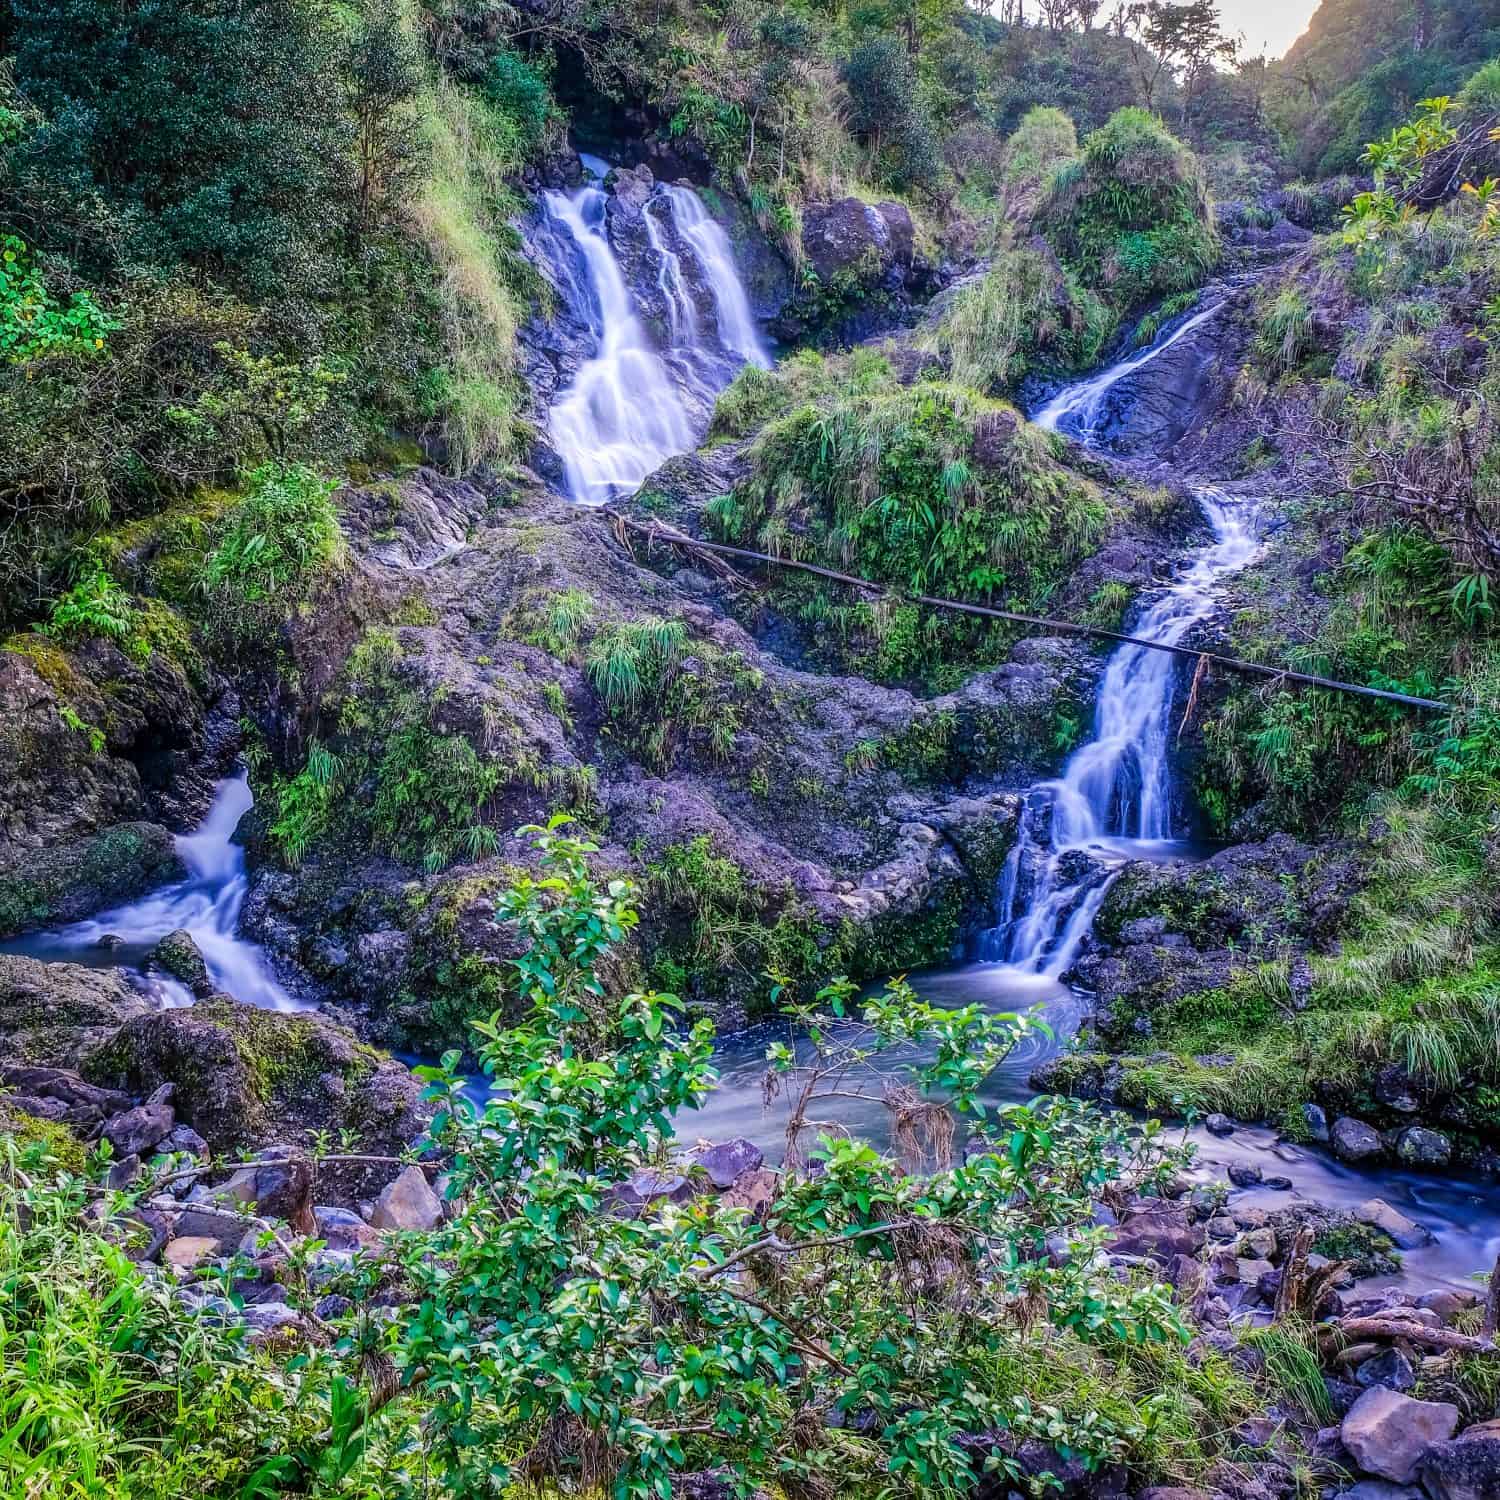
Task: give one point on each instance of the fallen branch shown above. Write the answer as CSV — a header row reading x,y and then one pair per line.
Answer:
x,y
1355,1329
656,532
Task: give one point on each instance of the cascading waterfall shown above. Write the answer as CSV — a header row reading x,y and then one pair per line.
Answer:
x,y
1113,801
633,405
623,415
206,904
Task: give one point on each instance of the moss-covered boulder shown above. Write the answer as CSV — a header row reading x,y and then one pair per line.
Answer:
x,y
246,1076
50,1013
65,882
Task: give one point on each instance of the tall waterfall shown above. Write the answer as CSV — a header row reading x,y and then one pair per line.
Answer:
x,y
1113,801
636,402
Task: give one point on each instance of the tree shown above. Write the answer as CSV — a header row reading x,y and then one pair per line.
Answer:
x,y
212,130
1174,39
384,76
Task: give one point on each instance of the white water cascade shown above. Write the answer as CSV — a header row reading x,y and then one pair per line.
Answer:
x,y
633,405
207,904
1113,801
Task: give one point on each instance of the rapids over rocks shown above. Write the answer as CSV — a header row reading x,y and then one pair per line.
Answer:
x,y
641,394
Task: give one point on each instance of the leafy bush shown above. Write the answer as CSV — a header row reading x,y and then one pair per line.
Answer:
x,y
608,1348
32,323
280,538
96,605
1131,217
521,95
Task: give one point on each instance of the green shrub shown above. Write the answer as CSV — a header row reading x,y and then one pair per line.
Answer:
x,y
522,97
96,605
1131,217
280,537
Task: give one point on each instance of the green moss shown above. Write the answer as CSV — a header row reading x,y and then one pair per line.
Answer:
x,y
42,1143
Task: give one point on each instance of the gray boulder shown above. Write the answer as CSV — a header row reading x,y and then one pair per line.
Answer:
x,y
178,955
408,1203
137,1131
1353,1140
846,237
1387,1433
728,1160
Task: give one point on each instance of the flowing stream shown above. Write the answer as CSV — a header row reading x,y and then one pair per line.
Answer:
x,y
206,904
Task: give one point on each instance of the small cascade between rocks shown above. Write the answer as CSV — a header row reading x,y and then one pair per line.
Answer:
x,y
1113,801
639,399
206,905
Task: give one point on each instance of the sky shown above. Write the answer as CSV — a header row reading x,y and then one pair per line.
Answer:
x,y
1269,26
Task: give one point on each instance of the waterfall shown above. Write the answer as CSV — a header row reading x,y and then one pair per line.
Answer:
x,y
207,904
632,404
1113,801
623,415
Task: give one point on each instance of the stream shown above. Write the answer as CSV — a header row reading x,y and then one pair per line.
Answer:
x,y
636,400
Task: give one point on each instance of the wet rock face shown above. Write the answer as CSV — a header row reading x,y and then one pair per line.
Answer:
x,y
73,879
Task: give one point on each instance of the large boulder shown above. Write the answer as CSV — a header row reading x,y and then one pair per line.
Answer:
x,y
1467,1468
1354,1141
408,1202
1387,1434
51,1013
246,1076
847,238
66,882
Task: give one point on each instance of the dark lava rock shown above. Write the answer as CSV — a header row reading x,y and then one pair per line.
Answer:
x,y
728,1160
247,1076
1391,1368
1244,1174
1420,1147
1160,1232
51,1013
1468,1468
279,1189
1217,1124
1316,1121
846,237
137,1131
1353,1140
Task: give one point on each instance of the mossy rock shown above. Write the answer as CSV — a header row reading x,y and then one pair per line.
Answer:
x,y
50,1013
244,1075
65,883
41,1144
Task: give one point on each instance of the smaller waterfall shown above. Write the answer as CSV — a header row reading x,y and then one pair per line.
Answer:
x,y
737,331
1078,409
207,904
1113,801
634,404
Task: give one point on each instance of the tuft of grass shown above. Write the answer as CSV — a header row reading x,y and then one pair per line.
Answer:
x,y
460,212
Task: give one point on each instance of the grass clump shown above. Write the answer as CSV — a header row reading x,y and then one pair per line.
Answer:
x,y
1131,217
1024,314
928,487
